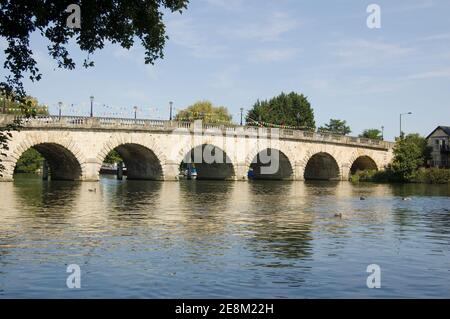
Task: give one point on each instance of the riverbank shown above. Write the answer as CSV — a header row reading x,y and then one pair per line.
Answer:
x,y
421,175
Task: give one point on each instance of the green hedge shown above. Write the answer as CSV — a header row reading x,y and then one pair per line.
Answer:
x,y
431,176
422,175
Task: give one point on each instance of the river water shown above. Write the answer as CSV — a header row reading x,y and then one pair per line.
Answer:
x,y
208,239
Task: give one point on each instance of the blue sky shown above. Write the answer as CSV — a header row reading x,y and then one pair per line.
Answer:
x,y
234,52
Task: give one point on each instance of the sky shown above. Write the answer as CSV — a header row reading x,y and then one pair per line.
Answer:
x,y
234,52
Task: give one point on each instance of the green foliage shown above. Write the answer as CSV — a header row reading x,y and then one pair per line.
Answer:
x,y
31,106
29,162
113,157
431,176
410,153
383,176
117,21
335,127
410,156
372,133
205,111
422,175
283,110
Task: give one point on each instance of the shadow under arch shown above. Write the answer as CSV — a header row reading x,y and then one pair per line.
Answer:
x,y
271,164
38,203
322,166
140,161
210,162
132,201
62,162
363,163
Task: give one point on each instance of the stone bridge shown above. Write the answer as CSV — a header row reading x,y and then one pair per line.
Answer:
x,y
75,148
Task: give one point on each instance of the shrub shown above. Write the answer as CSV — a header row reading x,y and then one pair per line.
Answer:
x,y
374,176
431,176
422,175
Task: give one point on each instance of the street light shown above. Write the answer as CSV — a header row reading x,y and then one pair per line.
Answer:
x,y
60,106
170,105
242,110
92,106
135,112
298,119
401,114
382,133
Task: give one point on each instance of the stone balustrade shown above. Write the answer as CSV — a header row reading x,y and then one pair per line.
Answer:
x,y
118,124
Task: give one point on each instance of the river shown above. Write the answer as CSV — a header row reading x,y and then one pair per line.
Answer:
x,y
210,239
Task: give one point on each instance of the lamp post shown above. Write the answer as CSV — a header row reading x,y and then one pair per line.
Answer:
x,y
382,133
401,114
92,106
135,112
298,119
60,106
242,110
170,106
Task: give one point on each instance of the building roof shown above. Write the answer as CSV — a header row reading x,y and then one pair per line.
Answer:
x,y
446,129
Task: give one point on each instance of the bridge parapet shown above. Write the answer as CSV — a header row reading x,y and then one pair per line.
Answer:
x,y
117,124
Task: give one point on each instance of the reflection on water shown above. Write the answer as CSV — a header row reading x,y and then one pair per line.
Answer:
x,y
223,239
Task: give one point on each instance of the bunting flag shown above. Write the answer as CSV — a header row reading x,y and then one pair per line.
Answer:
x,y
265,124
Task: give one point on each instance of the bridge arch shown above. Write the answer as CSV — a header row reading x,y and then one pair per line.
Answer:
x,y
270,164
362,162
65,160
321,166
210,161
143,162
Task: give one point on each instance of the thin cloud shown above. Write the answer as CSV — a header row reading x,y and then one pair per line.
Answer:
x,y
183,32
225,79
361,52
270,29
412,6
273,55
226,4
438,73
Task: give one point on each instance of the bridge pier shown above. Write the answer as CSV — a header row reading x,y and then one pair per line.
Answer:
x,y
241,171
91,170
299,171
171,171
345,173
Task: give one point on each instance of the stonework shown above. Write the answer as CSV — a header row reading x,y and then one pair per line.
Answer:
x,y
157,153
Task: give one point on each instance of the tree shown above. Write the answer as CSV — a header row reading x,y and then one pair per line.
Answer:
x,y
285,109
205,111
335,127
372,133
113,157
29,162
14,107
410,153
115,21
